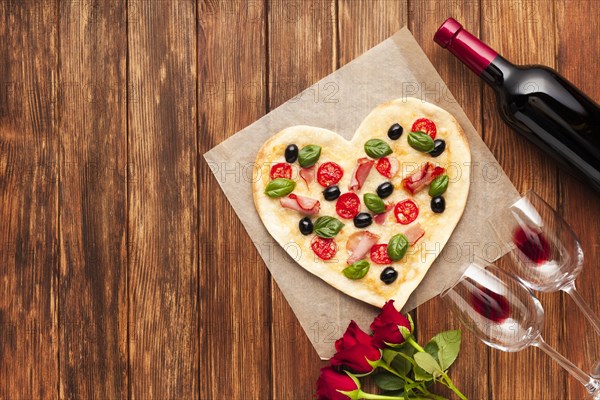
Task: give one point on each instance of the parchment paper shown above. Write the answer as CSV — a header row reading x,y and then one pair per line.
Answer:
x,y
395,68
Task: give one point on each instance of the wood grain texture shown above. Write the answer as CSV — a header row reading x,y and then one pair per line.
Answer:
x,y
302,50
28,200
469,375
235,300
532,374
162,201
93,138
579,205
364,24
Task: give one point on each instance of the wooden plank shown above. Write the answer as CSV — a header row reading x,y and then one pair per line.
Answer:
x,y
162,200
470,371
28,200
530,41
364,24
579,204
93,133
302,50
235,297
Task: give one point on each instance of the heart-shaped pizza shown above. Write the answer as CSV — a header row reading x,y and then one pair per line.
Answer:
x,y
370,215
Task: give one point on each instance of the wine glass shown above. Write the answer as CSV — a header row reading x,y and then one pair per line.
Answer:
x,y
504,314
547,253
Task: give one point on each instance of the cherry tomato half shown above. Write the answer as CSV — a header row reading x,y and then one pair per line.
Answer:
x,y
329,174
425,125
406,211
384,167
347,205
325,249
379,254
281,170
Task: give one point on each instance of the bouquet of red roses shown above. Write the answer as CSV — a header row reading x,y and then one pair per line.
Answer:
x,y
398,364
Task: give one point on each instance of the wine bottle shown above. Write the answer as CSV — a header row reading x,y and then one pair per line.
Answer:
x,y
535,101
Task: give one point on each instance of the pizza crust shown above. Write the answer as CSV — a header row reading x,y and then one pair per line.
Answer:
x,y
282,224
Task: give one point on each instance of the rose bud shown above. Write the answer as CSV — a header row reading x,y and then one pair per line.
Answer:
x,y
390,327
355,351
332,385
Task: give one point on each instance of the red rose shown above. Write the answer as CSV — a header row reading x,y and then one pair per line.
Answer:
x,y
386,326
355,350
330,383
352,337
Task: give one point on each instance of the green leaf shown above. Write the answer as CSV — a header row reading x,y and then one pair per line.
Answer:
x,y
432,349
427,362
438,186
388,355
357,270
422,375
309,155
377,148
397,247
448,344
407,349
374,203
280,187
327,227
388,381
401,365
420,141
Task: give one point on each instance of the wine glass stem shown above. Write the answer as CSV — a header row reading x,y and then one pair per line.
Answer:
x,y
592,385
583,305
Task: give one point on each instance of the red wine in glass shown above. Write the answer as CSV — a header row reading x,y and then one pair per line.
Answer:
x,y
490,304
532,244
498,296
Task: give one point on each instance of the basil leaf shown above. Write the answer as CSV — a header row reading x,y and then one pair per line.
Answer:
x,y
327,227
357,270
280,187
377,148
388,381
397,247
420,141
428,363
374,203
309,155
448,344
438,186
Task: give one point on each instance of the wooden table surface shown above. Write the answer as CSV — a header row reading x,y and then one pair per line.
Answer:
x,y
125,273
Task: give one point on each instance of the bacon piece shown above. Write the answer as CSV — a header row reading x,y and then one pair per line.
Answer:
x,y
308,174
359,244
380,218
417,181
302,204
394,166
360,173
414,233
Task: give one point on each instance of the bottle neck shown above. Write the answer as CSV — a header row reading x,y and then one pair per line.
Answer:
x,y
496,71
472,52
